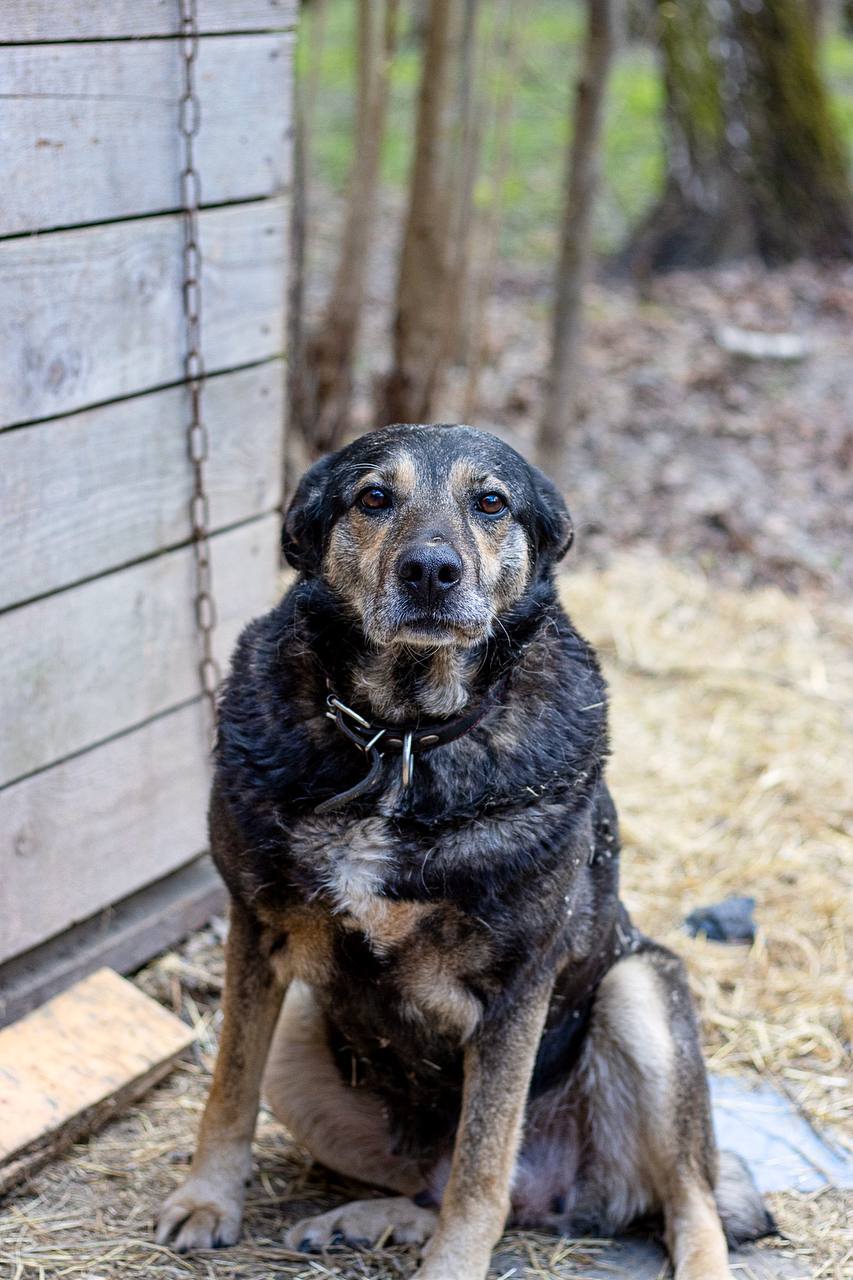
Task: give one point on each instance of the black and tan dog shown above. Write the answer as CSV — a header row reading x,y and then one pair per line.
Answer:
x,y
411,815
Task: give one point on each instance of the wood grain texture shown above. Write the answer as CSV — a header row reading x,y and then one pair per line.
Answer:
x,y
124,935
69,1066
22,21
91,662
90,130
95,314
96,828
84,494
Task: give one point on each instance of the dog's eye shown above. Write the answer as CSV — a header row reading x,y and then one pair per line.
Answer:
x,y
491,504
375,499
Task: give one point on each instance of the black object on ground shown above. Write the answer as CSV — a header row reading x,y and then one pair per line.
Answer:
x,y
727,921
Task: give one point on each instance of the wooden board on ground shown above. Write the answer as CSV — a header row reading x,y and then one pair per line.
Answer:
x,y
69,1066
85,494
95,314
24,21
90,131
81,666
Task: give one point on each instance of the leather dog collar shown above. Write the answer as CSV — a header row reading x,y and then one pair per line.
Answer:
x,y
374,737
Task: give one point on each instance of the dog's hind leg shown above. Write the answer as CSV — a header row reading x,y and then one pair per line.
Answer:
x,y
344,1129
647,1118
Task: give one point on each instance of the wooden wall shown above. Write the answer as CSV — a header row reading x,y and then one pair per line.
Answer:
x,y
103,752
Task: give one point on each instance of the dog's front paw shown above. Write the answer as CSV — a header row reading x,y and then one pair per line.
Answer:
x,y
363,1223
200,1215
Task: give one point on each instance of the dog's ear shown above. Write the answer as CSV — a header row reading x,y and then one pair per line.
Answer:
x,y
308,519
552,523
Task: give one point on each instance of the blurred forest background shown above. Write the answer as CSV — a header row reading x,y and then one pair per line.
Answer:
x,y
616,232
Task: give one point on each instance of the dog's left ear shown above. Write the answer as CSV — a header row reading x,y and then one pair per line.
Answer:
x,y
551,520
308,519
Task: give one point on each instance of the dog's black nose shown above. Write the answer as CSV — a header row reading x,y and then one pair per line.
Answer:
x,y
429,570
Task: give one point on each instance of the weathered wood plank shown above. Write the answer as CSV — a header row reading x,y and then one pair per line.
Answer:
x,y
22,21
90,662
90,130
124,935
95,828
85,494
95,314
70,1066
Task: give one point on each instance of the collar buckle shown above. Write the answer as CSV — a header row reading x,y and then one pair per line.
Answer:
x,y
366,736
338,712
335,705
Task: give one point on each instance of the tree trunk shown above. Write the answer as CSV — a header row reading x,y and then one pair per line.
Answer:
x,y
470,107
316,13
296,452
508,50
423,286
638,20
816,18
573,267
327,372
755,164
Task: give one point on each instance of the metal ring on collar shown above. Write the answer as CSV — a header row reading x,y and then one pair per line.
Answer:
x,y
407,759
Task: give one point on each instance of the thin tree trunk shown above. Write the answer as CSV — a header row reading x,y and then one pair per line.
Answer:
x,y
755,164
298,450
296,453
489,226
419,344
317,12
469,130
581,185
327,375
638,20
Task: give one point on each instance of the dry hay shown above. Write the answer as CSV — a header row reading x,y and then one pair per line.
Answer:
x,y
91,1216
729,771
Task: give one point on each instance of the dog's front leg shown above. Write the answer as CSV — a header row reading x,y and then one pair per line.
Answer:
x,y
498,1066
207,1210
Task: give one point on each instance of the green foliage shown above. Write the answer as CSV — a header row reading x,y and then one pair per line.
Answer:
x,y
837,63
551,33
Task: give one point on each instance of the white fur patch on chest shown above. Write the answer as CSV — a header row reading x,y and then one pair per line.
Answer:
x,y
354,858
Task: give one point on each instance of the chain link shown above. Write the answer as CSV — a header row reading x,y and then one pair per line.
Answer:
x,y
189,123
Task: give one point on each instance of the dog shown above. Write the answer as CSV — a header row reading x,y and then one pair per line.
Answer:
x,y
428,965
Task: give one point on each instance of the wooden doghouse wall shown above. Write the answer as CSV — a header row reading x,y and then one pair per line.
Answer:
x,y
103,748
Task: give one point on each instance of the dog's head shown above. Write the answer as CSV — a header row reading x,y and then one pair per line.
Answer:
x,y
429,533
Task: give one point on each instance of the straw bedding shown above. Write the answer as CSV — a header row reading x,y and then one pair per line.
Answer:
x,y
730,766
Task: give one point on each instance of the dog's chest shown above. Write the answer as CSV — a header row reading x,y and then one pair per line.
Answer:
x,y
429,948
350,864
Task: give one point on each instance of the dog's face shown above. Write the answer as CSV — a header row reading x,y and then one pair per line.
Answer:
x,y
429,533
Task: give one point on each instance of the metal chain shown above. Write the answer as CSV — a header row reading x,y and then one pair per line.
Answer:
x,y
189,122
